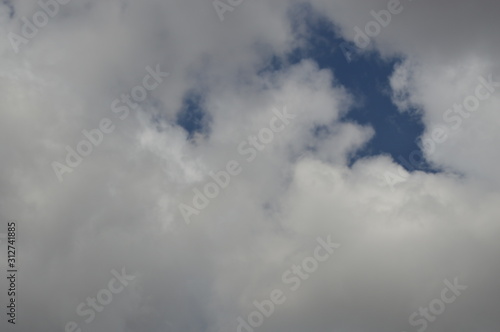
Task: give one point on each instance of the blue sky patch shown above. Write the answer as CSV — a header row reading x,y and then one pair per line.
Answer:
x,y
366,76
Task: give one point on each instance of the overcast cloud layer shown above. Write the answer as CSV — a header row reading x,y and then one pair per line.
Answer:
x,y
403,236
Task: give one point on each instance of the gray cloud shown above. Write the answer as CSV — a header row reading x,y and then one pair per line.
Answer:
x,y
119,208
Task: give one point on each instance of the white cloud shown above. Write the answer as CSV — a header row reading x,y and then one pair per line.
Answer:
x,y
120,208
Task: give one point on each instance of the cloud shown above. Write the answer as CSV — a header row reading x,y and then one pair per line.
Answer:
x,y
119,208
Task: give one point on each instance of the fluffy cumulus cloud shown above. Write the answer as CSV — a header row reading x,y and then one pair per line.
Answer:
x,y
257,220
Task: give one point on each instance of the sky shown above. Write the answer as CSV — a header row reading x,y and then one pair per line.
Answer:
x,y
236,165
